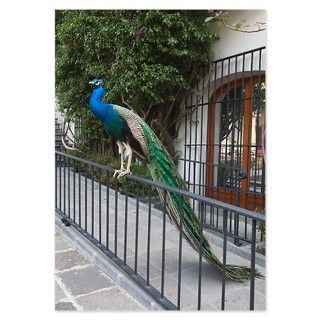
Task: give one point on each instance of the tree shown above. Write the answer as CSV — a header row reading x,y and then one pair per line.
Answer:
x,y
151,59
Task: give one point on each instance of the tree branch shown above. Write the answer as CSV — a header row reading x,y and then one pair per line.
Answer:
x,y
127,104
222,17
246,31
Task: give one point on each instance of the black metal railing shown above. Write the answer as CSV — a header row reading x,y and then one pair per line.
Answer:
x,y
136,234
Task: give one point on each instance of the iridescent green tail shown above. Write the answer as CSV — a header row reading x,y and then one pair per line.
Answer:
x,y
164,170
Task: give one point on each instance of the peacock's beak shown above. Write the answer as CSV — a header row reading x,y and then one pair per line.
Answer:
x,y
91,82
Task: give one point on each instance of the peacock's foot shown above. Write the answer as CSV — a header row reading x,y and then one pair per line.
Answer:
x,y
118,172
124,173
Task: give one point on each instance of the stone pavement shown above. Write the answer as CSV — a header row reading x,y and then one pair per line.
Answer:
x,y
104,217
81,286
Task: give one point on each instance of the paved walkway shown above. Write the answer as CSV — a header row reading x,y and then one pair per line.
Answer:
x,y
81,286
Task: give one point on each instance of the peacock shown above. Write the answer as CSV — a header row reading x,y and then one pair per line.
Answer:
x,y
134,136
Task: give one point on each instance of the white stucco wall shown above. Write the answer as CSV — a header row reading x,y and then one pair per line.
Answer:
x,y
231,42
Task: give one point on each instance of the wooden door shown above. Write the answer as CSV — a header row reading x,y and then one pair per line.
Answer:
x,y
235,159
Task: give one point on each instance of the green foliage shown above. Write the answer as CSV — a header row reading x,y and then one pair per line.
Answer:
x,y
151,58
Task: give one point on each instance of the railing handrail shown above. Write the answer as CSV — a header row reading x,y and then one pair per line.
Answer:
x,y
239,54
209,201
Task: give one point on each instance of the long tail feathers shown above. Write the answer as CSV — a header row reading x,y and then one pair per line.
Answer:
x,y
163,169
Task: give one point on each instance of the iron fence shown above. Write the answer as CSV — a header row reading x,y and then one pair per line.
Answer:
x,y
223,138
136,234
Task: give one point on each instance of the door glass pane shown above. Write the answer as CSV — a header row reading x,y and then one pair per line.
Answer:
x,y
257,166
230,126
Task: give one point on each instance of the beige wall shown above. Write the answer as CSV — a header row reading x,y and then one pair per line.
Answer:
x,y
232,42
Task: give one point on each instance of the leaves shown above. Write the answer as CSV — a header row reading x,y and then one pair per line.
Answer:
x,y
148,56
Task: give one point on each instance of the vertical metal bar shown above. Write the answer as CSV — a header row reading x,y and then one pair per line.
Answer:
x,y
107,213
263,141
260,62
233,134
148,242
56,181
190,144
100,210
256,158
137,237
185,143
200,256
125,224
253,258
79,193
195,148
69,197
86,203
234,165
116,219
219,140
238,120
226,163
74,192
180,259
163,244
92,209
257,126
245,227
207,150
64,184
211,222
232,145
236,240
263,177
60,195
217,217
241,125
213,145
223,291
248,165
201,137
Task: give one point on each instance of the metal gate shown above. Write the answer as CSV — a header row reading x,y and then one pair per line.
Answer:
x,y
224,134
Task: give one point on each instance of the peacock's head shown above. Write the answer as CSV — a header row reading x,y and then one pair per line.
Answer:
x,y
96,83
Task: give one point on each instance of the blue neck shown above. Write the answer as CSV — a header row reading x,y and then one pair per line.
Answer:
x,y
100,109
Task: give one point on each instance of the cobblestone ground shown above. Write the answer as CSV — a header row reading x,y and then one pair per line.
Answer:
x,y
81,286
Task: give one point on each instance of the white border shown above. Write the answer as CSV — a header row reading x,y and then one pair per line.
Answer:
x,y
27,105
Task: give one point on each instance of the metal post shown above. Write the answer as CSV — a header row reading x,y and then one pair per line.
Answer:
x,y
200,255
163,244
137,237
125,225
148,242
253,260
223,290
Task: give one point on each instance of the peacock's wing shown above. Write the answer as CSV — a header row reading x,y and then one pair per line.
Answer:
x,y
133,132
